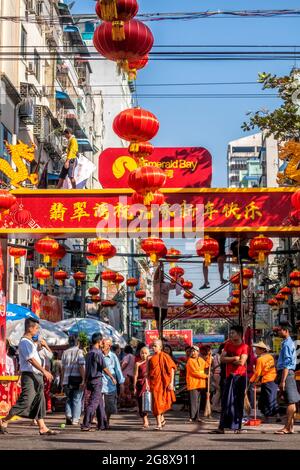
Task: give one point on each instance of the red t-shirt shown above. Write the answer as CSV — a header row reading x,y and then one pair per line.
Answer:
x,y
235,350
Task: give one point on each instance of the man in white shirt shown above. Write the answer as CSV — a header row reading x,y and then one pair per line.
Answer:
x,y
31,402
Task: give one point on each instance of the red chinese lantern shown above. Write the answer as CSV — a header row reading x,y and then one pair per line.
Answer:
x,y
134,65
117,12
171,256
137,43
262,246
158,199
119,279
280,298
7,200
136,125
295,199
140,294
295,277
235,279
22,217
153,247
247,274
188,304
101,248
46,247
272,302
188,295
176,272
140,151
59,254
93,259
236,293
108,276
60,276
79,277
42,274
235,301
96,298
149,306
142,303
94,291
187,285
286,291
207,248
108,303
132,282
17,253
147,180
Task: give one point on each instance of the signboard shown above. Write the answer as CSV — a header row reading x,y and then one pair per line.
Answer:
x,y
208,338
189,167
263,316
110,213
47,307
177,339
199,311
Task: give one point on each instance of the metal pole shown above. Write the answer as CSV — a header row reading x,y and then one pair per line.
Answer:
x,y
83,285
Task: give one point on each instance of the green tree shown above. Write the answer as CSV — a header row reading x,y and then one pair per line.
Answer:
x,y
284,122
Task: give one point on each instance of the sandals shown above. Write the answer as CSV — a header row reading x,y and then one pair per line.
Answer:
x,y
283,431
217,431
240,431
163,423
158,428
50,432
3,429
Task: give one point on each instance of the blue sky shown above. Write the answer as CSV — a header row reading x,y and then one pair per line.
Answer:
x,y
211,123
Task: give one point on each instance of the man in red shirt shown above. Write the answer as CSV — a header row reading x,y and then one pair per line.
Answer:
x,y
234,355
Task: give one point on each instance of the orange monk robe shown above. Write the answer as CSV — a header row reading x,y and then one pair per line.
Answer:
x,y
160,374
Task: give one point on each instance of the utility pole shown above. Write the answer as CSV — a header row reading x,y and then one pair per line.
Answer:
x,y
84,283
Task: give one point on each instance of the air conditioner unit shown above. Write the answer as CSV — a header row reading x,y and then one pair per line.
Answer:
x,y
30,68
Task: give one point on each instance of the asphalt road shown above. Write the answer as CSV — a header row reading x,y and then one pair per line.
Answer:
x,y
126,434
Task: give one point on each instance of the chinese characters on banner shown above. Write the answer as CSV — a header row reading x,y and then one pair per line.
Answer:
x,y
110,212
47,307
177,339
199,311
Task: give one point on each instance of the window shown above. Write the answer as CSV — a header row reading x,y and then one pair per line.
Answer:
x,y
37,65
23,41
243,149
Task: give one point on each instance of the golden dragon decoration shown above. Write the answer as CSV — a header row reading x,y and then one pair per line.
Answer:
x,y
290,153
19,153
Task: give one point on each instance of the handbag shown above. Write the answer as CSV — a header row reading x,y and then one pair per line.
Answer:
x,y
147,402
74,381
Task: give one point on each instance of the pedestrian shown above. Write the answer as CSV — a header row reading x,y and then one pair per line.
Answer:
x,y
161,290
110,387
196,381
141,383
46,356
206,355
31,402
138,349
286,366
168,350
234,355
161,381
265,374
216,373
9,363
127,366
95,368
71,162
56,371
73,377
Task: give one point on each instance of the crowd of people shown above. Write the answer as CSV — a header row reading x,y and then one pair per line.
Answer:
x,y
99,382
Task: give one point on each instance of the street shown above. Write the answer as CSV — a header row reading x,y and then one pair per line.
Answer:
x,y
126,434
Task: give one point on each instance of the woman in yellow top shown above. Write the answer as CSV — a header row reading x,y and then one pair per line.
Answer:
x,y
196,379
265,373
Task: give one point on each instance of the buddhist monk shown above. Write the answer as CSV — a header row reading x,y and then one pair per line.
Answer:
x,y
161,379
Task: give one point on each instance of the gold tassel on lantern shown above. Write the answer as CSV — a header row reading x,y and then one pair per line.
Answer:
x,y
153,258
207,259
148,198
132,73
134,147
118,31
109,10
261,257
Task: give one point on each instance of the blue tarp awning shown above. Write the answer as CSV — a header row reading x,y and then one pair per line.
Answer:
x,y
85,145
18,312
65,99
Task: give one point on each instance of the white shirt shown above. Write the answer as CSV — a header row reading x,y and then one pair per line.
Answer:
x,y
9,366
46,357
28,350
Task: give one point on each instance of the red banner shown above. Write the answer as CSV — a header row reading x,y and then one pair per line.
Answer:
x,y
47,307
110,212
177,339
189,167
199,311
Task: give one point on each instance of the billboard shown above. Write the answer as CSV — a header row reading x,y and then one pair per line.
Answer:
x,y
177,339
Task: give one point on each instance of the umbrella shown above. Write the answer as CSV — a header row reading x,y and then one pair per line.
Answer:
x,y
74,326
18,312
53,335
